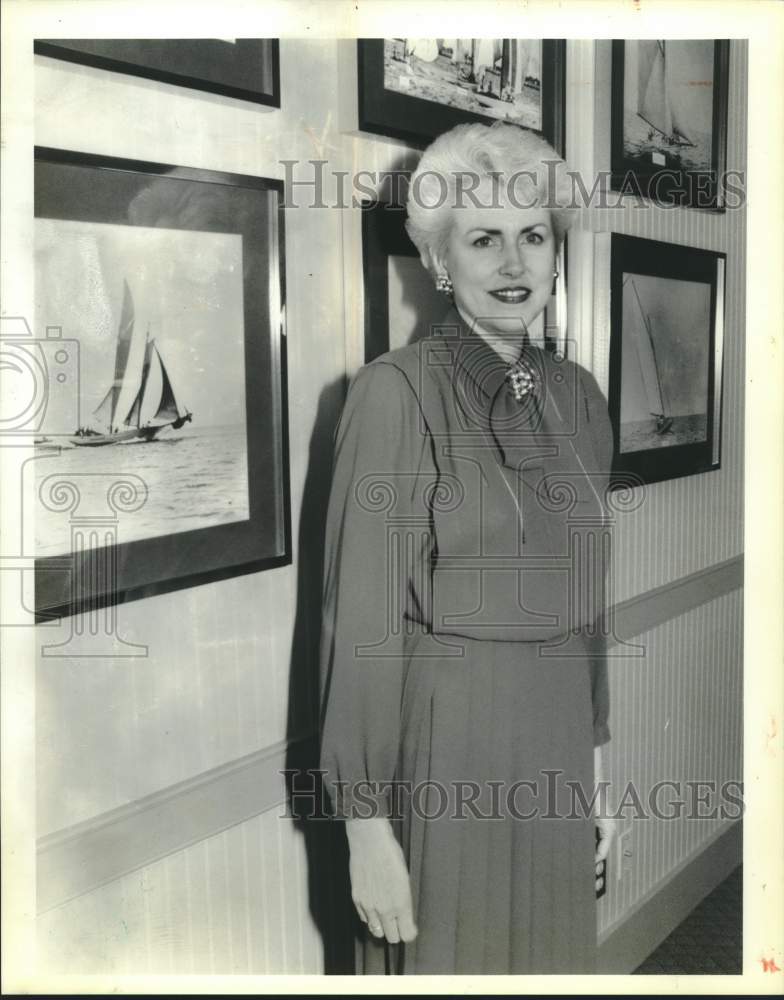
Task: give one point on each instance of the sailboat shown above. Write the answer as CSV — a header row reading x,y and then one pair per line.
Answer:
x,y
657,103
167,411
649,368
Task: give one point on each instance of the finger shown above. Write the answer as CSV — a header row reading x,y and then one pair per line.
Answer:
x,y
391,931
406,926
360,911
602,849
375,924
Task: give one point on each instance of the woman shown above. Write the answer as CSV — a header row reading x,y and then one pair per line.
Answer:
x,y
465,697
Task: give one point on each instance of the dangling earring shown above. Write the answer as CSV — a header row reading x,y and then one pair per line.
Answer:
x,y
556,273
444,284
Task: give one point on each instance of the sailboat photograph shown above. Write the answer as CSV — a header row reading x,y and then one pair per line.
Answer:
x,y
645,347
157,314
667,120
664,385
154,384
657,103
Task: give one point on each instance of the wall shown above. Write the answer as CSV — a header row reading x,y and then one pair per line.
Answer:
x,y
677,711
214,689
159,803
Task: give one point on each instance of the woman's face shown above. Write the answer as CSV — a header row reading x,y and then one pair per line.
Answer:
x,y
500,259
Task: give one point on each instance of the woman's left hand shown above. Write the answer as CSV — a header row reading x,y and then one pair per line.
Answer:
x,y
606,823
608,831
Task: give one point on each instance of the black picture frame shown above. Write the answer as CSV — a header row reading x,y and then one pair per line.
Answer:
x,y
417,121
247,68
384,237
673,341
661,169
86,189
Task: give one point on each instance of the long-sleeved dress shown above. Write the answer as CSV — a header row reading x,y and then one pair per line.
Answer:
x,y
464,683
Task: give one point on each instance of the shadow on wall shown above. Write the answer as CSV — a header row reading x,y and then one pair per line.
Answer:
x,y
325,840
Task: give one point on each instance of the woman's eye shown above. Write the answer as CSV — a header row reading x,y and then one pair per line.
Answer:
x,y
482,241
534,238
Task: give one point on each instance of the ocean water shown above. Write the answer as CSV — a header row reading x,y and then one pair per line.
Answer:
x,y
636,143
641,435
192,478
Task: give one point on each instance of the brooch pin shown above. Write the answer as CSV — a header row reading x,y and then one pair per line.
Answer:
x,y
522,379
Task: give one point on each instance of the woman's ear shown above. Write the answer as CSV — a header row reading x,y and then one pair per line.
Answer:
x,y
434,261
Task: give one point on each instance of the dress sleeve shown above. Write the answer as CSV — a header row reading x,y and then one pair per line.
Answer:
x,y
600,426
600,690
378,449
598,420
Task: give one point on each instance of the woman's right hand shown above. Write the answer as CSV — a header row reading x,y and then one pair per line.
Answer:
x,y
380,886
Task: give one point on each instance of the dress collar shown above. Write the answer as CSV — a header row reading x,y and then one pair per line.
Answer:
x,y
479,368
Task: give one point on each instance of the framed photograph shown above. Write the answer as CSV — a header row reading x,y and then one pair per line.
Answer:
x,y
245,68
400,296
669,120
161,460
416,88
667,323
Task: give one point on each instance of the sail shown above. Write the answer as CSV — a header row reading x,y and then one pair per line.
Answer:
x,y
134,414
107,409
647,52
425,49
681,126
104,412
652,99
643,342
167,408
132,420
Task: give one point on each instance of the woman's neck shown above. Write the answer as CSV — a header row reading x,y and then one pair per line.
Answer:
x,y
508,347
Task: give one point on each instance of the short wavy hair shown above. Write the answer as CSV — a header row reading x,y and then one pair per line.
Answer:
x,y
506,152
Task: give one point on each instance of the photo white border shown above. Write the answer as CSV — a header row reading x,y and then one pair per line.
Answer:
x,y
762,23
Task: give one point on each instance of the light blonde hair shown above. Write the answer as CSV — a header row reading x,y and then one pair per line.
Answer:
x,y
507,153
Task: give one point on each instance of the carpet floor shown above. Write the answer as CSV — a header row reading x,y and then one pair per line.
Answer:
x,y
709,941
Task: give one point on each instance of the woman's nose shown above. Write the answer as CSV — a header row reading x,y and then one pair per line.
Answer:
x,y
513,262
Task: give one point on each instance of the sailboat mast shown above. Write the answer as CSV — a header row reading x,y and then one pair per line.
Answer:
x,y
145,376
135,412
649,331
106,411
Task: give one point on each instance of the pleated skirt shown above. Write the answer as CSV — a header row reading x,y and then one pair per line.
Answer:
x,y
496,750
